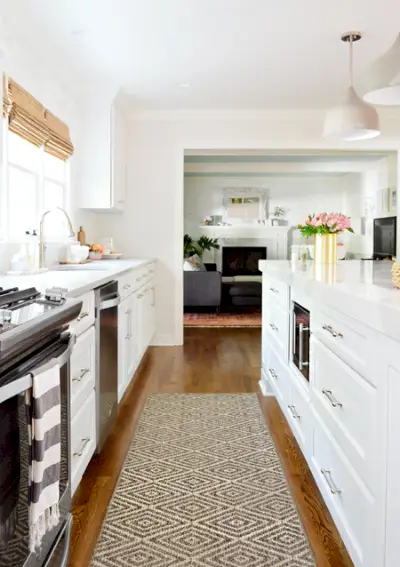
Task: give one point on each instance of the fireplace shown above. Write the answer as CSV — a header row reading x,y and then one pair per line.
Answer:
x,y
242,260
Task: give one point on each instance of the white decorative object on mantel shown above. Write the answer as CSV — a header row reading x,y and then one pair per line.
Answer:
x,y
245,205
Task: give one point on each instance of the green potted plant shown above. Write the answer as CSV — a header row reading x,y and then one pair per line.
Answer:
x,y
278,213
205,243
189,246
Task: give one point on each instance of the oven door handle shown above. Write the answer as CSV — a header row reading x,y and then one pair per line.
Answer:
x,y
60,360
25,383
66,531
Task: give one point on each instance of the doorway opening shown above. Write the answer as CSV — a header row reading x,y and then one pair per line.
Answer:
x,y
241,206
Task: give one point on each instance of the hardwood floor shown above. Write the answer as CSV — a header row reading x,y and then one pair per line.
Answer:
x,y
212,361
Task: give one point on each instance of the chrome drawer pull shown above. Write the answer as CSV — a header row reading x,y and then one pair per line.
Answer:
x,y
294,412
85,442
328,479
332,399
273,290
273,373
83,373
83,315
332,331
273,327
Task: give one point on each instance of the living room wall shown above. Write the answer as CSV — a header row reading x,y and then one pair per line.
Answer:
x,y
297,195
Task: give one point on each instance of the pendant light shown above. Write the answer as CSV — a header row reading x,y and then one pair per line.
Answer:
x,y
383,79
354,119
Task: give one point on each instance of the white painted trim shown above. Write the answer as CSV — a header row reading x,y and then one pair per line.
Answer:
x,y
276,115
164,340
264,390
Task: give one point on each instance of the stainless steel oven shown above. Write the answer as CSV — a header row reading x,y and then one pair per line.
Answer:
x,y
301,339
14,526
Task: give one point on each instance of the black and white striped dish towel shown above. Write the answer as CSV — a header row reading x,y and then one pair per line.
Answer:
x,y
44,427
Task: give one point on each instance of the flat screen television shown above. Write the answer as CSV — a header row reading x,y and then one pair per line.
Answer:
x,y
385,237
242,260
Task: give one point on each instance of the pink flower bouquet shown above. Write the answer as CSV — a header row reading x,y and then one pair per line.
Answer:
x,y
325,223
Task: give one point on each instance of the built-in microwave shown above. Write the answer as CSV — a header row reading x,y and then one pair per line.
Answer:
x,y
301,339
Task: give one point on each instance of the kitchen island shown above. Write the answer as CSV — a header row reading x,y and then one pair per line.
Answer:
x,y
331,356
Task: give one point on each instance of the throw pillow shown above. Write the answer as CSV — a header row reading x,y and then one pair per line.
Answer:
x,y
194,264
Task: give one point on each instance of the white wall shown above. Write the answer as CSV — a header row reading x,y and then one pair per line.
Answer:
x,y
152,225
298,196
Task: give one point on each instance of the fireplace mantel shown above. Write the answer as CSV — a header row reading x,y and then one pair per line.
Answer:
x,y
249,231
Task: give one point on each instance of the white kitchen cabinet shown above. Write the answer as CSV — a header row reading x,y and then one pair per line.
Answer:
x,y
83,439
122,347
135,331
136,326
102,161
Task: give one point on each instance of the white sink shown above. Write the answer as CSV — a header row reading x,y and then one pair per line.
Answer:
x,y
89,267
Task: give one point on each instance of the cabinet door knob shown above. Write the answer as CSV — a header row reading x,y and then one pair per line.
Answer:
x,y
85,441
294,412
273,327
332,399
328,479
82,315
83,373
273,373
329,329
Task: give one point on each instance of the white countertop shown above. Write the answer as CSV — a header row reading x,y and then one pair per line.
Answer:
x,y
77,281
361,289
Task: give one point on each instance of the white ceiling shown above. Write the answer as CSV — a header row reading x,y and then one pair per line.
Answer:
x,y
234,53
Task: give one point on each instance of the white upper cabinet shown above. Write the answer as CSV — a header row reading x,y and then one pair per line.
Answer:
x,y
102,150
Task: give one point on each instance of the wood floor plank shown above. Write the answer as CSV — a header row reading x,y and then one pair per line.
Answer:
x,y
212,361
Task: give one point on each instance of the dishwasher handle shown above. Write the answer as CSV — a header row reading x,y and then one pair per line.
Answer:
x,y
110,301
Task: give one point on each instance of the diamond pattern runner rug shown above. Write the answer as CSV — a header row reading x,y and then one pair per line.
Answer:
x,y
202,485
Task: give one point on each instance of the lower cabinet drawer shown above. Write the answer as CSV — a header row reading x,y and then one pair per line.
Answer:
x,y
299,414
83,439
351,505
85,318
353,342
83,369
278,330
348,406
275,291
278,377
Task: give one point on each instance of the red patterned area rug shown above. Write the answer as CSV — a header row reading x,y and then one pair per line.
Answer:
x,y
222,320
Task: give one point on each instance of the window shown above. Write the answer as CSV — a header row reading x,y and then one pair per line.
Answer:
x,y
36,146
34,181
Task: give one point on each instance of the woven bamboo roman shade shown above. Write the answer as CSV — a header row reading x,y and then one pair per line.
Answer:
x,y
28,118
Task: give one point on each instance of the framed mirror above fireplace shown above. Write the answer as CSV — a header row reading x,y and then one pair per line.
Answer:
x,y
245,205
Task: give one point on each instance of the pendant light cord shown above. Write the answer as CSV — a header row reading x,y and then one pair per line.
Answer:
x,y
351,61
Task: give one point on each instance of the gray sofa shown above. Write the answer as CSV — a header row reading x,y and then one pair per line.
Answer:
x,y
202,289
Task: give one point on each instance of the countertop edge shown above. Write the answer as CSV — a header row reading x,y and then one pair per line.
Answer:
x,y
368,303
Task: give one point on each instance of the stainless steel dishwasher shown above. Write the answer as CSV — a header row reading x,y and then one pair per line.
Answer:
x,y
106,308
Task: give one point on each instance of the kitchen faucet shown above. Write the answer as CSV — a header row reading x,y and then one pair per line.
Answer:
x,y
41,234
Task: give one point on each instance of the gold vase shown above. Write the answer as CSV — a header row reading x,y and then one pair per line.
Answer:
x,y
325,247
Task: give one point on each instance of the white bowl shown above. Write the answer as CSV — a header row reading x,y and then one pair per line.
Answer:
x,y
79,253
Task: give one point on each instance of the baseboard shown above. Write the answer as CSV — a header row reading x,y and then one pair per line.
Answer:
x,y
164,340
264,389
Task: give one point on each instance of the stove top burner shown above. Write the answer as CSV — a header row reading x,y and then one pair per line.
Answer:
x,y
26,315
14,298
